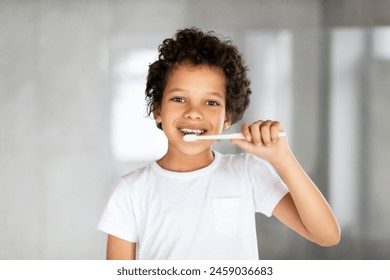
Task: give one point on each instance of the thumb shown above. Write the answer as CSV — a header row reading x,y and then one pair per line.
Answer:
x,y
243,144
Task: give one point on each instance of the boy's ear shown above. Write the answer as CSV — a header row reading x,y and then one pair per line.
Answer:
x,y
157,115
227,123
157,118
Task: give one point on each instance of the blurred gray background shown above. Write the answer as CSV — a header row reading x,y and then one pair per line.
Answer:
x,y
72,114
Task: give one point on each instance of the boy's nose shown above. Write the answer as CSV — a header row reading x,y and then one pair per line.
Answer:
x,y
193,113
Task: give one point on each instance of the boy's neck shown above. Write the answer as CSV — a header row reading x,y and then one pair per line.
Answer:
x,y
178,162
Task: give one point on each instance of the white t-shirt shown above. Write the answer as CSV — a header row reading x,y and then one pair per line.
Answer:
x,y
204,214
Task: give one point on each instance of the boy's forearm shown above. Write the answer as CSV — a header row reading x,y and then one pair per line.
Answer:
x,y
313,209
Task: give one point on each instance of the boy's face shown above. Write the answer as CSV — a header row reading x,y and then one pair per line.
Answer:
x,y
194,101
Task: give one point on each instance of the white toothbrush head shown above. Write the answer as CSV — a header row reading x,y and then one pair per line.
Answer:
x,y
190,137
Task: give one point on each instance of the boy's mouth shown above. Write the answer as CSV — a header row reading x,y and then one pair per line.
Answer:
x,y
187,131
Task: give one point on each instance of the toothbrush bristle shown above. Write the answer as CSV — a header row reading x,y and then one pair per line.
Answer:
x,y
189,137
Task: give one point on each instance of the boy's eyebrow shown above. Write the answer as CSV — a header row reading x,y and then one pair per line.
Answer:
x,y
175,89
215,93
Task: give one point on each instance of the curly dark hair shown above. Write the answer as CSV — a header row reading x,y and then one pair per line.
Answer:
x,y
197,47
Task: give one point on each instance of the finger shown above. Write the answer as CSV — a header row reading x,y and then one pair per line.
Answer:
x,y
265,130
276,127
246,132
255,132
244,145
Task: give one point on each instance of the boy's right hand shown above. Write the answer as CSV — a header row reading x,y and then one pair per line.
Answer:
x,y
261,140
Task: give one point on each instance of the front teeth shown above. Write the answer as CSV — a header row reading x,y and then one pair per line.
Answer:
x,y
186,131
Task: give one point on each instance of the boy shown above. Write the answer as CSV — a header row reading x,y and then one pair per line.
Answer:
x,y
195,203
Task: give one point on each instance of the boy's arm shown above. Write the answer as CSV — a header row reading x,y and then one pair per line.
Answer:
x,y
303,209
119,249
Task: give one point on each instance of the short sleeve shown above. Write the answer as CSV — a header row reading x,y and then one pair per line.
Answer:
x,y
118,216
268,188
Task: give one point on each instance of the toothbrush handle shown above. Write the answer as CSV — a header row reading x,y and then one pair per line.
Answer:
x,y
220,136
229,136
240,136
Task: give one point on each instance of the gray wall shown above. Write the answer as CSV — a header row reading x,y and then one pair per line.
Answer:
x,y
59,64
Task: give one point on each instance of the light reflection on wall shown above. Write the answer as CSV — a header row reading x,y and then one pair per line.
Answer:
x,y
358,85
134,137
269,56
347,50
381,42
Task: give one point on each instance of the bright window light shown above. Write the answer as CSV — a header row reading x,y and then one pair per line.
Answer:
x,y
134,137
381,42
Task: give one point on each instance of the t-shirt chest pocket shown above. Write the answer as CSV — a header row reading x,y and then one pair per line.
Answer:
x,y
227,215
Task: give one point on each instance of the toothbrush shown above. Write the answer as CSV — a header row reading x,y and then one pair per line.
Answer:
x,y
194,137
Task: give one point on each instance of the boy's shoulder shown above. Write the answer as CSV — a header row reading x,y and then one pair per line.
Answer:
x,y
133,178
137,173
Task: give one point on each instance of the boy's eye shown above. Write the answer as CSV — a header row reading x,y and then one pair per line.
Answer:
x,y
178,99
212,103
